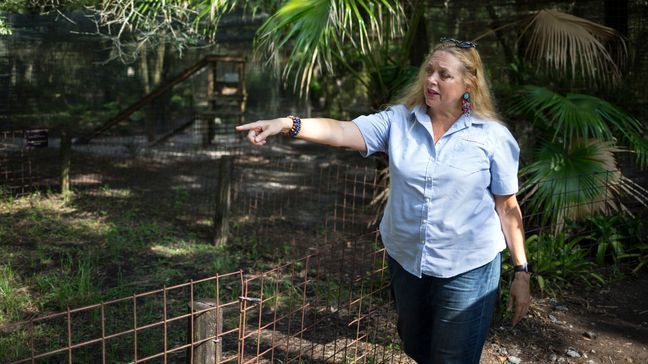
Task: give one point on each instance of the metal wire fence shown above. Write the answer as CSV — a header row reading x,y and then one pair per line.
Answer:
x,y
329,306
293,313
328,302
323,201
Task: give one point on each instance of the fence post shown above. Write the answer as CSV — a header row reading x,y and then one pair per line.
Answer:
x,y
223,200
205,124
209,323
66,157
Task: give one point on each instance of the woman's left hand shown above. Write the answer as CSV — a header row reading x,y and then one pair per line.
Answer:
x,y
519,297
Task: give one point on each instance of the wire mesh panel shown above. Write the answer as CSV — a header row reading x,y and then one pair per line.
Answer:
x,y
25,168
306,312
300,199
156,326
232,317
297,312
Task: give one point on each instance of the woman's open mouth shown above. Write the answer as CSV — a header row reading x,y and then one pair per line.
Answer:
x,y
430,93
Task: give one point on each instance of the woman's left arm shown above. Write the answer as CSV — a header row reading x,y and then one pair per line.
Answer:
x,y
510,215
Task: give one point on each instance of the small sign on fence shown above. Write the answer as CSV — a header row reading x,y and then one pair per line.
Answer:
x,y
36,138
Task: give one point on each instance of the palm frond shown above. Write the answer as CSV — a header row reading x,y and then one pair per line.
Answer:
x,y
569,44
639,148
577,180
630,131
313,32
579,116
569,117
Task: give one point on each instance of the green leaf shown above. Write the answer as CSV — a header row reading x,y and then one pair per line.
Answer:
x,y
576,181
313,33
639,266
541,283
598,277
571,117
5,29
600,253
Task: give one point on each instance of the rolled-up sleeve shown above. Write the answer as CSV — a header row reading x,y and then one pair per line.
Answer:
x,y
504,163
375,131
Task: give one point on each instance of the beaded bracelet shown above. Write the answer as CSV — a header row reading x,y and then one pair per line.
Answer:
x,y
296,126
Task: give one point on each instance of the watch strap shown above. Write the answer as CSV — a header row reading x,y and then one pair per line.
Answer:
x,y
526,267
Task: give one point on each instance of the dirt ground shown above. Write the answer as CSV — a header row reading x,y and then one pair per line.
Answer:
x,y
605,325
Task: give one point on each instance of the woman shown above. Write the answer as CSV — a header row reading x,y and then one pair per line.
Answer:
x,y
452,206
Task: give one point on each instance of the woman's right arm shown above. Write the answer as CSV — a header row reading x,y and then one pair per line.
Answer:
x,y
317,130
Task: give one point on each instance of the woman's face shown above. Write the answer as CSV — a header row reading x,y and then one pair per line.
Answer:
x,y
444,85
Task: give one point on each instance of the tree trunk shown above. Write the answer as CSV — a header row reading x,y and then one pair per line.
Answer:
x,y
149,118
162,69
418,53
207,125
155,73
66,158
508,51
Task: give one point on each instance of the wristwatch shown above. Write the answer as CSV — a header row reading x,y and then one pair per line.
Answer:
x,y
526,267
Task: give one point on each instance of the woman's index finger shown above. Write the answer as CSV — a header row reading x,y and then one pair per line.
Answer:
x,y
247,126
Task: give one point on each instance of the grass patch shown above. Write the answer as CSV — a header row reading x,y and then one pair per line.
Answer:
x,y
16,345
75,283
59,253
14,300
12,347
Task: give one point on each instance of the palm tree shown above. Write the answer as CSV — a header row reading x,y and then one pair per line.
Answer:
x,y
304,37
574,171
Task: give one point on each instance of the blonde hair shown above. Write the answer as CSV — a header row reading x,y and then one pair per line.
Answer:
x,y
481,99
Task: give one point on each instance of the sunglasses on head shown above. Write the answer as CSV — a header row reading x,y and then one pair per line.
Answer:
x,y
459,43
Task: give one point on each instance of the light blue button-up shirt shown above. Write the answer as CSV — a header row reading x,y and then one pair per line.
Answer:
x,y
440,218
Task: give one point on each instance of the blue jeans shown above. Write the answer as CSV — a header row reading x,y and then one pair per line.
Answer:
x,y
445,320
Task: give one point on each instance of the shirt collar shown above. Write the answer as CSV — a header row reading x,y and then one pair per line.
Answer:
x,y
419,113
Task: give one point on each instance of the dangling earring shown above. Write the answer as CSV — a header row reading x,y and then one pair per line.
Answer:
x,y
465,103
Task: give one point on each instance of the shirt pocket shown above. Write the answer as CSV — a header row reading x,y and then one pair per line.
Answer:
x,y
469,155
